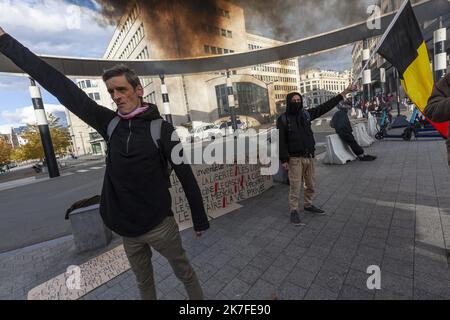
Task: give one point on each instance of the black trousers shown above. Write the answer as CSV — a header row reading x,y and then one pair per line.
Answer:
x,y
350,140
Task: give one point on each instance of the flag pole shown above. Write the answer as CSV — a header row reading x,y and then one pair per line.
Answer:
x,y
383,37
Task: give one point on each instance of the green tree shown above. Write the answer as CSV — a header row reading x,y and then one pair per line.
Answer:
x,y
5,152
33,148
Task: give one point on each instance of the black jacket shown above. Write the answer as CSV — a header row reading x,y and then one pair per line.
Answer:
x,y
296,136
341,122
438,107
135,195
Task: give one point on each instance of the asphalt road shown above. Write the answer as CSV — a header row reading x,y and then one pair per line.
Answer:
x,y
34,213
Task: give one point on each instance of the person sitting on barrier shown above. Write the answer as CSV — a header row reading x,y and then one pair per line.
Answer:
x,y
297,148
341,123
135,200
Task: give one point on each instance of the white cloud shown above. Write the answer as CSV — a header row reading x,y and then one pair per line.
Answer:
x,y
25,115
55,27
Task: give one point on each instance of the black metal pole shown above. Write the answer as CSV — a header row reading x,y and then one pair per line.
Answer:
x,y
440,55
367,74
231,102
397,90
165,97
44,130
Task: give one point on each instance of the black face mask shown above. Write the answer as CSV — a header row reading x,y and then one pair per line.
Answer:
x,y
297,105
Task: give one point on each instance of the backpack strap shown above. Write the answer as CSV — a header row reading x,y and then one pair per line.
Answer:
x,y
284,119
308,116
112,126
155,130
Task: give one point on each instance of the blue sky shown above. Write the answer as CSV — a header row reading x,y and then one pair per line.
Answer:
x,y
52,27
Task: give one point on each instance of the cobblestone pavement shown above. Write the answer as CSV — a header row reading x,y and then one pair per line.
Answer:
x,y
393,213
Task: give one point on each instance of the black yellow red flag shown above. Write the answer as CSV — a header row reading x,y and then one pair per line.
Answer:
x,y
404,47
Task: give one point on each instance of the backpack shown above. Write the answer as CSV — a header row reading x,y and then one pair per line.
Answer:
x,y
82,204
155,132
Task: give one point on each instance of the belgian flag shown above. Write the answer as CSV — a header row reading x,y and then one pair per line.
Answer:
x,y
403,46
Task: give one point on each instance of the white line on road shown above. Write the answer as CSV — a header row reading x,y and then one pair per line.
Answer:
x,y
82,171
96,168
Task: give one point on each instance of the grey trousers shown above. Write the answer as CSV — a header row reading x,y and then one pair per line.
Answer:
x,y
164,238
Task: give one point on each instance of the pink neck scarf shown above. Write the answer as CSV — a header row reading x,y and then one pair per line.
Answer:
x,y
133,114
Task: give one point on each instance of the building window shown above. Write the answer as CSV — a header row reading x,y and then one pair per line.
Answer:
x,y
223,13
94,96
252,99
229,34
207,49
150,98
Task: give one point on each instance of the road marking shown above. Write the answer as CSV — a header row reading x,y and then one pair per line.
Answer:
x,y
82,171
96,168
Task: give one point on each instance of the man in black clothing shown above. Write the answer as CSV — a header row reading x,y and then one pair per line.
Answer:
x,y
341,123
297,149
135,201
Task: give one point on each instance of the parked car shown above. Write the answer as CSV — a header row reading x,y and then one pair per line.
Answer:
x,y
205,132
227,127
12,165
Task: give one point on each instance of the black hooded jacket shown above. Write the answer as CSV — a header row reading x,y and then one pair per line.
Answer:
x,y
341,122
135,195
296,136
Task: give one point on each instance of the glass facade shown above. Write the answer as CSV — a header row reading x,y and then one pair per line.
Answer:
x,y
251,99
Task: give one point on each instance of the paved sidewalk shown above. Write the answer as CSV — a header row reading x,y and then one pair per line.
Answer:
x,y
393,212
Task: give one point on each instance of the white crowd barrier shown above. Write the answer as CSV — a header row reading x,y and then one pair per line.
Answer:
x,y
360,114
337,151
372,125
361,135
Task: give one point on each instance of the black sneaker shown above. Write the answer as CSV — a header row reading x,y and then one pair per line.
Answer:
x,y
314,210
367,158
295,219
